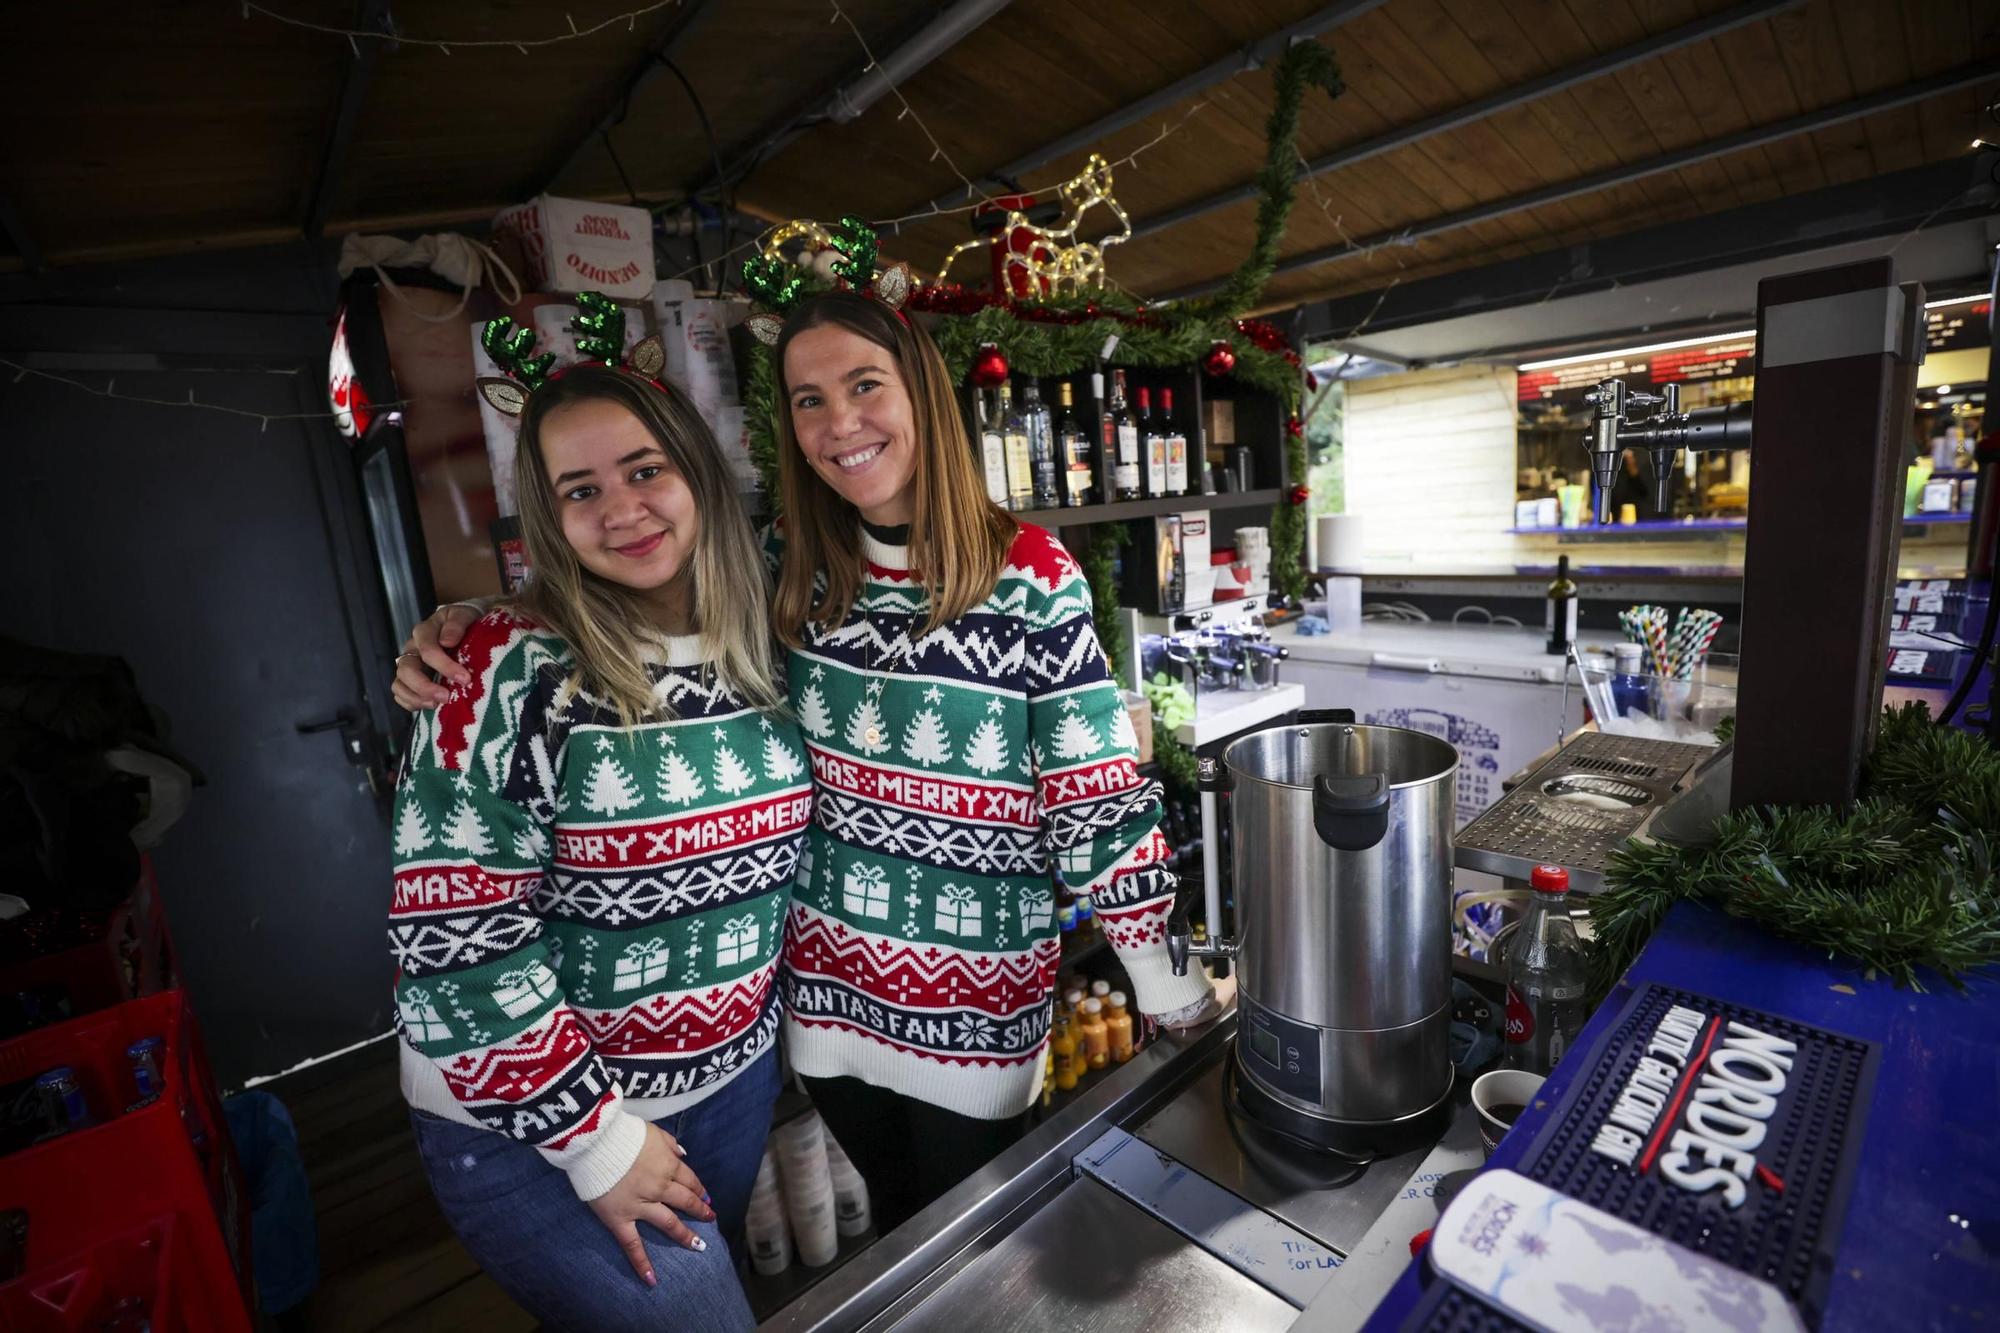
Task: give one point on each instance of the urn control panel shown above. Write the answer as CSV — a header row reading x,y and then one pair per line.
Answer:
x,y
1283,1054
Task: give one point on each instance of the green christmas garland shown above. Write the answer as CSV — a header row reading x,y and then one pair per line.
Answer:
x,y
1172,338
1902,884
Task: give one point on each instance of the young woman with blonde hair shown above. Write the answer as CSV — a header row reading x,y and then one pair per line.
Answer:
x,y
967,741
595,841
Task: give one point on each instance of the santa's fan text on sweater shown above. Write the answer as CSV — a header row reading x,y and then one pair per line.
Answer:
x,y
587,918
957,774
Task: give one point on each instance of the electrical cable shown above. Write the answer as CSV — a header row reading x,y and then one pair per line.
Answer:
x,y
727,192
619,165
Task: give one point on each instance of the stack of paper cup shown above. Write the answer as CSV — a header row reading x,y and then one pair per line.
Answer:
x,y
850,1193
770,1239
802,1160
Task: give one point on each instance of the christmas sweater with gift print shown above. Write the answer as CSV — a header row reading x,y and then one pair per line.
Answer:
x,y
586,918
953,774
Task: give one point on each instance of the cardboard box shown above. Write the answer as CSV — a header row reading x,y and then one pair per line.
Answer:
x,y
574,245
1218,422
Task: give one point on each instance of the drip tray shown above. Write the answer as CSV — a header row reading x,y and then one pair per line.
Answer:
x,y
1328,1200
1573,811
1091,1260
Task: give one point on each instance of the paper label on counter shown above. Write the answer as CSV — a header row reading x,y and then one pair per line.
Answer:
x,y
1561,1265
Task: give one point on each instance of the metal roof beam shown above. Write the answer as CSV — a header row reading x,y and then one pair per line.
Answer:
x,y
373,17
1949,81
1836,215
1506,99
687,17
1254,56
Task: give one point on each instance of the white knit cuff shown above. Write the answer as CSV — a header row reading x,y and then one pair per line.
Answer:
x,y
610,1154
1155,988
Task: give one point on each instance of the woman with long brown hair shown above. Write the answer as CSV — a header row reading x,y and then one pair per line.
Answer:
x,y
595,840
967,739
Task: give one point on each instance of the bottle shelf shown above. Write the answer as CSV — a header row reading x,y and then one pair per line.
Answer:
x,y
1120,510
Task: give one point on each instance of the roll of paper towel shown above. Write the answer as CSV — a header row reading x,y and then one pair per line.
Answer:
x,y
1339,541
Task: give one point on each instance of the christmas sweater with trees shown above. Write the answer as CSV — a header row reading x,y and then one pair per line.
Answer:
x,y
953,774
586,918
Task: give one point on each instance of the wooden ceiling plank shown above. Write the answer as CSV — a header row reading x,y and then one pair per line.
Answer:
x,y
1939,34
1871,38
1814,62
1512,144
1756,70
1601,109
1657,97
1701,75
1978,73
1421,88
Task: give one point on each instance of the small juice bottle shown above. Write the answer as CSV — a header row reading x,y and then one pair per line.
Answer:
x,y
1062,1050
1096,1037
1118,1026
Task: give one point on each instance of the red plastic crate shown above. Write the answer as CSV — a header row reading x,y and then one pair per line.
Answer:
x,y
132,956
129,1208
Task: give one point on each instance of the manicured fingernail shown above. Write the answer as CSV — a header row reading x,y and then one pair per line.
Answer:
x,y
682,1151
651,1281
700,1244
706,1199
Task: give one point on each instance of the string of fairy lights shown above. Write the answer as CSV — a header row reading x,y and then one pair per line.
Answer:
x,y
979,199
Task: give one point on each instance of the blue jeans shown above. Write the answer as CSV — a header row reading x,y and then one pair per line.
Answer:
x,y
519,1218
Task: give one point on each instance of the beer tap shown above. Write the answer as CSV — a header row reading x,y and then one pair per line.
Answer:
x,y
1663,434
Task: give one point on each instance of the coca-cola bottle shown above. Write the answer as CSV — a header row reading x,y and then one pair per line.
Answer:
x,y
1545,1005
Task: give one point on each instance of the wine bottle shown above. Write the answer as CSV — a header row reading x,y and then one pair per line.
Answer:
x,y
1152,445
1041,449
1127,430
1177,446
1072,452
992,452
1020,464
1562,609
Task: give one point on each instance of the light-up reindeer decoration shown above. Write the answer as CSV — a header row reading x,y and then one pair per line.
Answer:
x,y
1053,260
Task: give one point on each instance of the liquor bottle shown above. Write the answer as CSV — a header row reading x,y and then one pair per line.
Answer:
x,y
1152,446
1020,463
1177,446
1562,609
1126,428
1042,449
1072,452
992,452
1107,441
1545,1006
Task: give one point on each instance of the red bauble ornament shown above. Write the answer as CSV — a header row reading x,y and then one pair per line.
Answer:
x,y
1220,359
989,368
1312,381
1294,427
1299,494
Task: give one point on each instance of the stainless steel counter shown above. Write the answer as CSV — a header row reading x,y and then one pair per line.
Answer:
x,y
1141,1206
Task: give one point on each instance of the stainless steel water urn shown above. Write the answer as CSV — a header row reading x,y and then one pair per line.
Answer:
x,y
1343,868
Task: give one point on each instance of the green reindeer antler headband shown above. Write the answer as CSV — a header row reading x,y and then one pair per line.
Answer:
x,y
843,255
599,326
